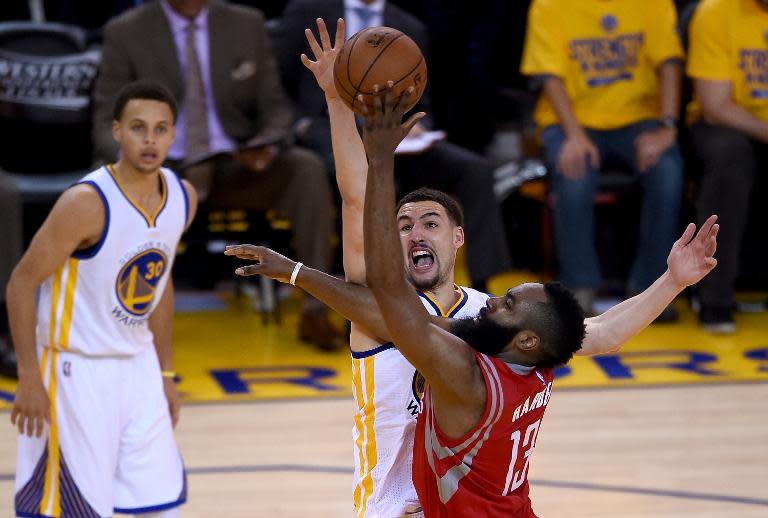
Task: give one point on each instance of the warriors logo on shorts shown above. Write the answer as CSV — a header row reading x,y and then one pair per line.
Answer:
x,y
137,281
417,385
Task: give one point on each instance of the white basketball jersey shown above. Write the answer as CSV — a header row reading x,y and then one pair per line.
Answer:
x,y
387,391
99,301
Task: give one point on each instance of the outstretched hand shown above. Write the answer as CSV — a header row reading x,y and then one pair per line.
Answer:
x,y
691,258
382,122
325,55
267,262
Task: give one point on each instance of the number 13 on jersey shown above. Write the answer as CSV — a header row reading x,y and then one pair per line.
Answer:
x,y
516,474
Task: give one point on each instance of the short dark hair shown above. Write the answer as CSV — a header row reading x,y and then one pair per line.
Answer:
x,y
560,325
144,89
449,203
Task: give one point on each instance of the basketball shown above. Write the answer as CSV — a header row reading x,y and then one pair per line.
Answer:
x,y
374,56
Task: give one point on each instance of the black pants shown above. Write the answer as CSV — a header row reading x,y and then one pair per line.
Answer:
x,y
728,162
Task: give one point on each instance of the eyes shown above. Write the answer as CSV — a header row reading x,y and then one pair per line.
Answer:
x,y
407,227
141,129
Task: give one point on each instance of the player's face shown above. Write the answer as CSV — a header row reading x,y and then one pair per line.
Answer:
x,y
429,240
502,318
145,132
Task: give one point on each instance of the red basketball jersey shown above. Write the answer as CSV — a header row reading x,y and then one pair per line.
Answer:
x,y
484,473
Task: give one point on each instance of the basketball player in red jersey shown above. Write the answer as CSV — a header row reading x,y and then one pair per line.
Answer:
x,y
490,378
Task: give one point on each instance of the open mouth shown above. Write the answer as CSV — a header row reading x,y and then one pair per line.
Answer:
x,y
422,259
148,156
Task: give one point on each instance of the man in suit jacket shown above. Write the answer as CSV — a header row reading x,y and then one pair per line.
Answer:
x,y
217,59
445,166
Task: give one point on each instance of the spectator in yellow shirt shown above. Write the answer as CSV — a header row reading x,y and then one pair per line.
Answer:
x,y
611,93
729,64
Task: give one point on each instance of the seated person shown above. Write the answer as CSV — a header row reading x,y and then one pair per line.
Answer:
x,y
611,79
444,166
217,58
729,133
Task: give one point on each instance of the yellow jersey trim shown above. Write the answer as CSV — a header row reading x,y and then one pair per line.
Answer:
x,y
69,303
50,505
437,305
151,219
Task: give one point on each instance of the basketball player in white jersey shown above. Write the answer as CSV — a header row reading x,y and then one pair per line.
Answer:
x,y
386,387
96,403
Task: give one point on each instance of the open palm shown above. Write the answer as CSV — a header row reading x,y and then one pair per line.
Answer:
x,y
691,258
325,55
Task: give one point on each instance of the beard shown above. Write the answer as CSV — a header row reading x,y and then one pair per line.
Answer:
x,y
483,334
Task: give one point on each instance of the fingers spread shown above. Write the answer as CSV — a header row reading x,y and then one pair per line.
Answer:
x,y
316,50
339,33
323,30
687,235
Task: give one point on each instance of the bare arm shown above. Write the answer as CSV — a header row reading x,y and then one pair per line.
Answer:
x,y
670,77
446,361
192,199
76,221
353,301
718,108
690,259
577,147
348,151
161,325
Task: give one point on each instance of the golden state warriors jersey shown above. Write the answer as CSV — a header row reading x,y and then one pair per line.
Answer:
x,y
387,391
99,301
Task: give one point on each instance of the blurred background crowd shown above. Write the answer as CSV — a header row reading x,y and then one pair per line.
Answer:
x,y
581,136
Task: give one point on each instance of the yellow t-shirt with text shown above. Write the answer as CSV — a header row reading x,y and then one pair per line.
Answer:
x,y
728,41
607,52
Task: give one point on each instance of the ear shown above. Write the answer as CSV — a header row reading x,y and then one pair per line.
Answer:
x,y
526,340
458,237
116,130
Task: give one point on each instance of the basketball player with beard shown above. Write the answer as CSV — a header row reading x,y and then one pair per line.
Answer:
x,y
429,240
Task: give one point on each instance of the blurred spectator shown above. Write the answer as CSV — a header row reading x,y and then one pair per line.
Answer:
x,y
728,61
477,40
444,166
10,252
217,59
611,93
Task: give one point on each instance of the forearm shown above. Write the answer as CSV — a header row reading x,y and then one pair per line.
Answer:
x,y
383,253
20,299
610,330
348,152
354,302
554,89
670,77
161,325
734,116
351,170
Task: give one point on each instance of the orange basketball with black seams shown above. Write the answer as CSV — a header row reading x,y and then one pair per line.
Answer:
x,y
374,56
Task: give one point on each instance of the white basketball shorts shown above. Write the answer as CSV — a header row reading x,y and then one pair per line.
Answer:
x,y
110,445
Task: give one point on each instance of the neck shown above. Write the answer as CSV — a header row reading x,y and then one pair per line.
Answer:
x,y
139,182
516,357
445,294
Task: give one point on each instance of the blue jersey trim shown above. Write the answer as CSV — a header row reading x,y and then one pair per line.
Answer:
x,y
160,507
462,303
371,352
438,312
91,251
186,200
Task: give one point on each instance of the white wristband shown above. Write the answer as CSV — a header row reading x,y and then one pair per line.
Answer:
x,y
295,273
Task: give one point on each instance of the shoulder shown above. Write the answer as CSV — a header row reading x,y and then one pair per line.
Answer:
x,y
710,8
81,209
237,14
132,18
